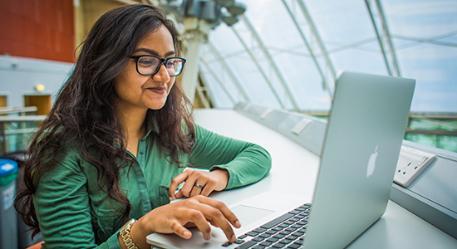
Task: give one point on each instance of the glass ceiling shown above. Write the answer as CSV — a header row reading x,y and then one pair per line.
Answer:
x,y
423,35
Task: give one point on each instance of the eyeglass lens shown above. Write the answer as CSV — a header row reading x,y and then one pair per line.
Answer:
x,y
148,65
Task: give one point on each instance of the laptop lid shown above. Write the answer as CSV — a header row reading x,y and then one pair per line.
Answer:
x,y
361,148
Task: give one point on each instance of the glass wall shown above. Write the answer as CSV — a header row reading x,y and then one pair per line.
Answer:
x,y
286,53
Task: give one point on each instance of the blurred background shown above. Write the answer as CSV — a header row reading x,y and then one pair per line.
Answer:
x,y
281,54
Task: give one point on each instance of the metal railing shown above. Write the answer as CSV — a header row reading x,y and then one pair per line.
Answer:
x,y
17,131
437,129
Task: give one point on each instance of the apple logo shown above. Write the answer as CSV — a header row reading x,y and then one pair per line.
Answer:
x,y
372,162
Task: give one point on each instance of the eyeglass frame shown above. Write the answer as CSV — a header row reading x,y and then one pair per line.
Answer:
x,y
163,61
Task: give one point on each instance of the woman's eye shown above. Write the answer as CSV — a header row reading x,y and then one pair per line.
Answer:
x,y
146,63
170,64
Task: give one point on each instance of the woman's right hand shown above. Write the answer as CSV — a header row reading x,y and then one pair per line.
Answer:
x,y
199,211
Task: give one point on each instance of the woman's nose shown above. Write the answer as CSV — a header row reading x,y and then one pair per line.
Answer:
x,y
162,75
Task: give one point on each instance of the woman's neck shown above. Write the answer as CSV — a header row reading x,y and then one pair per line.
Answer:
x,y
131,119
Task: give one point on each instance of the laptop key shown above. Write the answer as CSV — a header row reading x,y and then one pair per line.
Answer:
x,y
246,245
226,244
297,234
290,229
258,247
278,236
292,237
298,243
239,241
293,246
242,236
280,244
286,240
277,220
265,243
276,246
282,226
259,230
257,239
252,233
288,222
272,240
263,235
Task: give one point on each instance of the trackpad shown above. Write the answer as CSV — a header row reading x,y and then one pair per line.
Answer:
x,y
247,214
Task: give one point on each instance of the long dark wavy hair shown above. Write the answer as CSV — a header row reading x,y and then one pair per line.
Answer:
x,y
83,115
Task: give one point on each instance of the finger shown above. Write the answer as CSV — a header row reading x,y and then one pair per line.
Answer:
x,y
180,230
216,218
189,225
189,184
229,215
195,190
200,221
208,189
175,182
198,187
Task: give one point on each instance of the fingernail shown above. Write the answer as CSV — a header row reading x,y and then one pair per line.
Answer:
x,y
172,198
237,224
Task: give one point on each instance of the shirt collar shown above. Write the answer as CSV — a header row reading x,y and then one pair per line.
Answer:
x,y
151,126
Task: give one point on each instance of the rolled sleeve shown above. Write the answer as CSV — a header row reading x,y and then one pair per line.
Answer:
x,y
245,162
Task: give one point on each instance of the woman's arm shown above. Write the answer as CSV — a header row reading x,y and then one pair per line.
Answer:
x,y
242,163
62,207
173,218
245,162
63,210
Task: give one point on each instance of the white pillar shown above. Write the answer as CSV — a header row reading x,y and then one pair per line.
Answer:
x,y
195,35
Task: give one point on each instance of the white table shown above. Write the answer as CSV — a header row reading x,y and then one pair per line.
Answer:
x,y
294,171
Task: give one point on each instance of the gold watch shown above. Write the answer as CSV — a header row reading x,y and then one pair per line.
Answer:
x,y
126,235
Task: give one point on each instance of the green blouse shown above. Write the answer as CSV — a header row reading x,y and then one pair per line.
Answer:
x,y
74,212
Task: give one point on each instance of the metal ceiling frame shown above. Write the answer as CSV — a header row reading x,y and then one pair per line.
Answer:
x,y
208,68
229,70
432,40
270,60
318,38
310,49
259,67
384,38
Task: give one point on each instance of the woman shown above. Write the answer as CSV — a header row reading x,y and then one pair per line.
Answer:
x,y
111,153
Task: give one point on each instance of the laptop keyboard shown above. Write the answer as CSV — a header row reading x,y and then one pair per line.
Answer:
x,y
286,231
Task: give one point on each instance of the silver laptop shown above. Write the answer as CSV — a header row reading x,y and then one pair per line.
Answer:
x,y
361,148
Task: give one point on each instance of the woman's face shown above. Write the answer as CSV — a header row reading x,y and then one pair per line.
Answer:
x,y
148,92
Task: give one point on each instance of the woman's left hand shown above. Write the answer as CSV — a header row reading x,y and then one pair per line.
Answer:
x,y
198,182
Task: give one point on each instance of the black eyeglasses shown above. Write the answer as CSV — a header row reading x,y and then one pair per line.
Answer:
x,y
148,65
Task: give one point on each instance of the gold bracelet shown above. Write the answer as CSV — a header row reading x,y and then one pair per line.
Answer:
x,y
126,235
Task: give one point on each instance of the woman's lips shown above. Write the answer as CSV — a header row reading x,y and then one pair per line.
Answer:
x,y
158,90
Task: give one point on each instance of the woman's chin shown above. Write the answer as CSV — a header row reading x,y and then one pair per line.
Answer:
x,y
156,105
